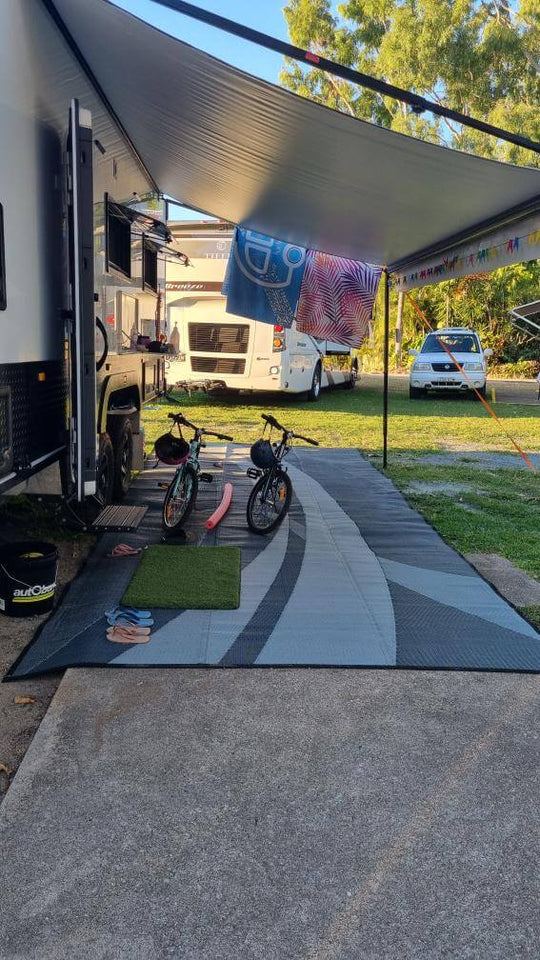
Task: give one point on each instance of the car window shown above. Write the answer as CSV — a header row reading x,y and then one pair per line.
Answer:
x,y
456,343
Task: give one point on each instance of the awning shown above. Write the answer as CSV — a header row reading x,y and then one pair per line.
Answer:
x,y
229,144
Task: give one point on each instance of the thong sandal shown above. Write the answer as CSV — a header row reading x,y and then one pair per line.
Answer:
x,y
124,550
120,635
129,611
123,620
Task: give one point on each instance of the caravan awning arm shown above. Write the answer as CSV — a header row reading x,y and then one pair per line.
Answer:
x,y
417,103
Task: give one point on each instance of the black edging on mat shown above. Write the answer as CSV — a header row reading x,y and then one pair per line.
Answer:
x,y
238,522
250,642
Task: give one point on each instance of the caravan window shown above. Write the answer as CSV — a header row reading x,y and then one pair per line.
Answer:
x,y
118,239
3,297
150,272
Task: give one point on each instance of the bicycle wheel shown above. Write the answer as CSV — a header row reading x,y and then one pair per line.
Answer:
x,y
179,499
266,512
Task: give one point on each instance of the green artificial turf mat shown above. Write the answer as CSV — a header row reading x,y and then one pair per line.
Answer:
x,y
186,578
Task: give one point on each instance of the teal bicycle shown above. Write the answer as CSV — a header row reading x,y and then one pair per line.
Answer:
x,y
174,450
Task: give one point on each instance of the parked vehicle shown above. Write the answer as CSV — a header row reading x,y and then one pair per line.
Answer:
x,y
80,276
270,498
434,367
234,352
176,451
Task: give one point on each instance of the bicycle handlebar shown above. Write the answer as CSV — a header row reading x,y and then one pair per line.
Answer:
x,y
220,436
298,436
273,422
180,418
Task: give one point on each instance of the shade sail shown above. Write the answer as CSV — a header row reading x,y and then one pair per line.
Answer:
x,y
234,146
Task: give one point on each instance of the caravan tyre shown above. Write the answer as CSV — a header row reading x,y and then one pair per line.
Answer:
x,y
123,458
105,471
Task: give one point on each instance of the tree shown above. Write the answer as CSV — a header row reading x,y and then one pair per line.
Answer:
x,y
476,56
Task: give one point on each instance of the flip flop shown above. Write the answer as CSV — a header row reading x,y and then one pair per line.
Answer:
x,y
132,631
119,636
128,610
123,550
126,621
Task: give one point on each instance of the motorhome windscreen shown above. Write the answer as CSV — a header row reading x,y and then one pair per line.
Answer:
x,y
150,270
218,337
3,296
118,239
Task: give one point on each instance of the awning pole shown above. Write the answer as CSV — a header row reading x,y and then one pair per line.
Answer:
x,y
418,103
386,355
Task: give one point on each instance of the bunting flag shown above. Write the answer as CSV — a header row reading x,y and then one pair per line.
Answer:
x,y
263,278
513,249
336,299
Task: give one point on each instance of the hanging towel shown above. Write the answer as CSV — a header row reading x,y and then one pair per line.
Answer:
x,y
337,297
263,278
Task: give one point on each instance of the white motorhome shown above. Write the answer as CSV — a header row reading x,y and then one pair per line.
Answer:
x,y
233,352
80,275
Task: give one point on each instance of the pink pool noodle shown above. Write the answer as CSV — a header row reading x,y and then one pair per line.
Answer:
x,y
222,509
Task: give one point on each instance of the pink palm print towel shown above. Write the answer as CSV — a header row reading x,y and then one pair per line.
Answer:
x,y
336,298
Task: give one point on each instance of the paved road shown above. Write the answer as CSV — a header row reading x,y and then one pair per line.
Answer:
x,y
499,391
276,815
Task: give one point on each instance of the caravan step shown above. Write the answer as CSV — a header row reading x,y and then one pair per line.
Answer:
x,y
118,518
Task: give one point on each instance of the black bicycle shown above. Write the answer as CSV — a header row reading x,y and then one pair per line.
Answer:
x,y
176,451
271,496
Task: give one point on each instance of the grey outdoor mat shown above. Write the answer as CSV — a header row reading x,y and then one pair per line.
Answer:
x,y
353,577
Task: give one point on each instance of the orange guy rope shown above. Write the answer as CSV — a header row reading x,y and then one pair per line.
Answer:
x,y
489,409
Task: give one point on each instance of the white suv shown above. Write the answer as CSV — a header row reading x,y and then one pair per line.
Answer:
x,y
433,368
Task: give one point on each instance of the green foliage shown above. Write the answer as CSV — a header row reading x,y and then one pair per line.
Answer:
x,y
476,56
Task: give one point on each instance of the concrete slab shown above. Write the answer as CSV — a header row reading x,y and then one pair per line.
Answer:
x,y
514,584
275,815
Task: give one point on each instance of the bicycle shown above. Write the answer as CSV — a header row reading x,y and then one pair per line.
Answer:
x,y
270,498
176,451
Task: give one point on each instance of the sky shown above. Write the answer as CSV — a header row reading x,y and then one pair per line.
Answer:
x,y
264,15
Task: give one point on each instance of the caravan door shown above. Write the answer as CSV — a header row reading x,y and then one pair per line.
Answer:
x,y
81,285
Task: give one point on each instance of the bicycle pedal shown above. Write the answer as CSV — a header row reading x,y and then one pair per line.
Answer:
x,y
206,478
162,485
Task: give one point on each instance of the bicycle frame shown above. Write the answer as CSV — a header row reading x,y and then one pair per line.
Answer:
x,y
281,452
195,445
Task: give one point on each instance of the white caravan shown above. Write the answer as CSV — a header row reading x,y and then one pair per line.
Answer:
x,y
232,352
79,271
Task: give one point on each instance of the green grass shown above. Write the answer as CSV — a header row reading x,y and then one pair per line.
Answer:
x,y
353,419
506,505
186,578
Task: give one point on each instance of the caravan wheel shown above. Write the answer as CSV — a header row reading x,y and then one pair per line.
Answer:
x,y
105,471
123,458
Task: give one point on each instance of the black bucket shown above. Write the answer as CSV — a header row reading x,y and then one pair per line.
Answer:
x,y
27,578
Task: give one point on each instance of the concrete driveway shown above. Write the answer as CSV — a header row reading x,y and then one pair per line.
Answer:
x,y
272,814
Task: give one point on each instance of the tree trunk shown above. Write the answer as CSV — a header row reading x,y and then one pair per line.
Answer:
x,y
399,326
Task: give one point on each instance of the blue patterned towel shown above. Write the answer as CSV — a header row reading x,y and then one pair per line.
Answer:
x,y
263,278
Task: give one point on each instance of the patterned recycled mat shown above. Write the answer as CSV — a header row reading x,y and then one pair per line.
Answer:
x,y
353,577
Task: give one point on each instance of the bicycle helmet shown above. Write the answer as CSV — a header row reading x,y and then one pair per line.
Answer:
x,y
262,454
171,450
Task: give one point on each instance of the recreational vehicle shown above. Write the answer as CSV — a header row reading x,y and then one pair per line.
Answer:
x,y
232,352
81,271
